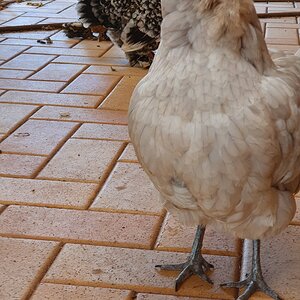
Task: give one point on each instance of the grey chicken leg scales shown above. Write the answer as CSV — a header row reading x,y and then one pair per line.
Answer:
x,y
254,281
195,264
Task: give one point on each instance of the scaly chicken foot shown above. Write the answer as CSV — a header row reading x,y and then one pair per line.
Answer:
x,y
255,280
195,264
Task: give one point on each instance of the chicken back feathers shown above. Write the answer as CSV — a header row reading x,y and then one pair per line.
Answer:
x,y
133,25
216,122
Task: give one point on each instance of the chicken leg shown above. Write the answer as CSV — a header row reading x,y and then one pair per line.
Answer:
x,y
254,281
195,265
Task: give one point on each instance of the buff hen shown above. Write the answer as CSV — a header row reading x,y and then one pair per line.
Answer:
x,y
216,126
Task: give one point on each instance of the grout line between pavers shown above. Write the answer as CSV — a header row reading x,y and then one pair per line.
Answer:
x,y
106,174
42,272
23,153
125,211
101,139
55,150
155,290
78,241
158,229
73,78
46,205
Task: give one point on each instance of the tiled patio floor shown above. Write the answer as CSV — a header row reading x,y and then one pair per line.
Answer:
x,y
79,218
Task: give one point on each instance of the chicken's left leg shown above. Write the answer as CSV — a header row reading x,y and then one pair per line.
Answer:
x,y
195,265
254,281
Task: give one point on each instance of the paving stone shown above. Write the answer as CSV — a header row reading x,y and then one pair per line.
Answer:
x,y
22,262
81,115
177,237
165,297
134,269
128,154
19,165
9,52
60,35
282,36
80,226
280,263
92,45
115,52
82,160
51,99
27,42
92,60
48,291
12,115
14,74
37,137
92,84
102,131
63,51
23,21
128,189
119,98
46,193
28,62
58,72
116,70
31,85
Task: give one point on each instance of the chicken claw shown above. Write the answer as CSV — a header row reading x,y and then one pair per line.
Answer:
x,y
195,264
254,281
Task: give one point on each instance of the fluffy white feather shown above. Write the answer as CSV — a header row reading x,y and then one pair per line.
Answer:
x,y
215,123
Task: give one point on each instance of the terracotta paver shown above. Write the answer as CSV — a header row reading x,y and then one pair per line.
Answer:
x,y
22,263
28,42
176,237
128,189
116,70
46,193
93,45
14,74
108,61
23,21
129,154
81,115
119,98
87,227
58,72
28,62
51,99
79,218
31,85
37,137
48,291
102,131
83,160
19,165
133,268
92,84
12,115
9,52
63,51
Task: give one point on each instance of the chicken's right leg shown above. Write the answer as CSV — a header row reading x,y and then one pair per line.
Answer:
x,y
195,265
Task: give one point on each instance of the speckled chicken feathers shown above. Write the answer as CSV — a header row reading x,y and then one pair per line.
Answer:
x,y
135,23
216,122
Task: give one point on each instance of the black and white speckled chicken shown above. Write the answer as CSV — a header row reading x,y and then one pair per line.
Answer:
x,y
134,25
